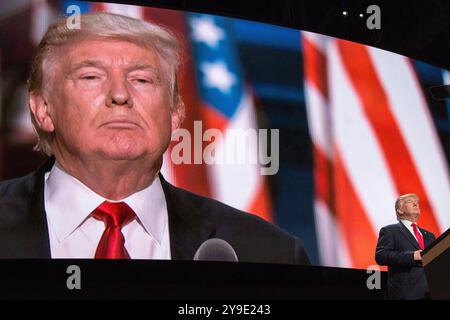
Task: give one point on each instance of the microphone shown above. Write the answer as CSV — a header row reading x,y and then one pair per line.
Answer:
x,y
215,250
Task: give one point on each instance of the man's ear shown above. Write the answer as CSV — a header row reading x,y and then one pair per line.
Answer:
x,y
177,116
175,121
39,109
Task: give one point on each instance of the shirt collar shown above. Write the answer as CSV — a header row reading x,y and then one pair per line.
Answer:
x,y
69,203
408,223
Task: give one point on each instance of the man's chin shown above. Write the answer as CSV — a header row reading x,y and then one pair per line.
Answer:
x,y
123,146
123,155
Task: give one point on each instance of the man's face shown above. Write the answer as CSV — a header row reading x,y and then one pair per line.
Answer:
x,y
410,209
110,99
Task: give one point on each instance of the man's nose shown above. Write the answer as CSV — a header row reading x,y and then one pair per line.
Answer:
x,y
119,94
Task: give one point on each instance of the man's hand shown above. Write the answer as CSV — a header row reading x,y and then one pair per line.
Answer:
x,y
417,255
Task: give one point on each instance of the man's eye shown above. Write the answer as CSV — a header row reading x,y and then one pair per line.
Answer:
x,y
143,80
90,77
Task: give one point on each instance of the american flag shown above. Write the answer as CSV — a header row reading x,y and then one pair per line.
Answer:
x,y
373,139
227,104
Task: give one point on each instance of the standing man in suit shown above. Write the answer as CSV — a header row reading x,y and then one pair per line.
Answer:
x,y
399,247
104,103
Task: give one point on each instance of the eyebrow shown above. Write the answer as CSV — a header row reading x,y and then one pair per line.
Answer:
x,y
101,64
143,66
87,63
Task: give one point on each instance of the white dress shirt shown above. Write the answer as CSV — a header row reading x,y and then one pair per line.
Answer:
x,y
408,225
75,234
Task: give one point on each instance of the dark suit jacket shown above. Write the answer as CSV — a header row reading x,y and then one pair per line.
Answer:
x,y
395,249
192,220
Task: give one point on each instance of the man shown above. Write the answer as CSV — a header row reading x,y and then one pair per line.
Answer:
x,y
104,102
399,247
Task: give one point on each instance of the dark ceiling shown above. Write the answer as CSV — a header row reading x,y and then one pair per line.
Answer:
x,y
418,29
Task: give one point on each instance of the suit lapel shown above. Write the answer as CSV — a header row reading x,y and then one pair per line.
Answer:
x,y
29,237
189,227
408,235
39,221
427,239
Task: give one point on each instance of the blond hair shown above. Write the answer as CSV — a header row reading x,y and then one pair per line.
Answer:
x,y
104,25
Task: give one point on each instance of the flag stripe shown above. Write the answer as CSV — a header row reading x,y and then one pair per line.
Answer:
x,y
353,220
315,67
417,127
261,203
353,183
373,99
123,9
318,113
360,150
333,247
223,175
323,177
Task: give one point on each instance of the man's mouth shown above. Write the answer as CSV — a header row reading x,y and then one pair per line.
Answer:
x,y
120,124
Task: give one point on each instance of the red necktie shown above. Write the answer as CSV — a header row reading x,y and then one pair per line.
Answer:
x,y
418,236
112,243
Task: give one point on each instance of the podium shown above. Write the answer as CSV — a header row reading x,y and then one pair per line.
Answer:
x,y
436,262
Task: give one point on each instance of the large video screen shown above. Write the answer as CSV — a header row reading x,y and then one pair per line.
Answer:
x,y
314,134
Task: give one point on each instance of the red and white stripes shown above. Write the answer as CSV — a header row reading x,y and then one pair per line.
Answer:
x,y
332,246
239,185
123,9
374,139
